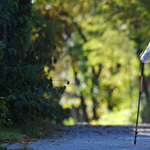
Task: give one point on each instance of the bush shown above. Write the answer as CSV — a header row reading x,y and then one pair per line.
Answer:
x,y
23,84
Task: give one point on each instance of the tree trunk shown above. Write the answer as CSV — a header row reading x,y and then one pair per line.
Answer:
x,y
83,106
94,109
95,82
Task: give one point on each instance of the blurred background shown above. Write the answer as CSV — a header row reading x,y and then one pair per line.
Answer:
x,y
98,43
96,47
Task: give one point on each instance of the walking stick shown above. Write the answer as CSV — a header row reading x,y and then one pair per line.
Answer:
x,y
140,93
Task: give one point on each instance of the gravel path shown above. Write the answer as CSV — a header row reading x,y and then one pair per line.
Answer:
x,y
88,137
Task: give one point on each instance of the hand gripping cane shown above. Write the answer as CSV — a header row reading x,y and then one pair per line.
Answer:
x,y
140,93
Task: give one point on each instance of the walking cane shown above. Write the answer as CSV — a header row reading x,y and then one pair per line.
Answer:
x,y
140,93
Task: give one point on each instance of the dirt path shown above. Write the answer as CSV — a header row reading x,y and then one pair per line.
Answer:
x,y
88,137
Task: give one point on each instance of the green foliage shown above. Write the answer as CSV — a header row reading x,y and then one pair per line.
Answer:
x,y
4,111
97,45
100,42
23,83
3,148
2,46
10,134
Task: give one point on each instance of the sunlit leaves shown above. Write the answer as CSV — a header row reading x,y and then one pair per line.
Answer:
x,y
92,33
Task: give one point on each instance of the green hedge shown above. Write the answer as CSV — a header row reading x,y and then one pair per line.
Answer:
x,y
23,85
